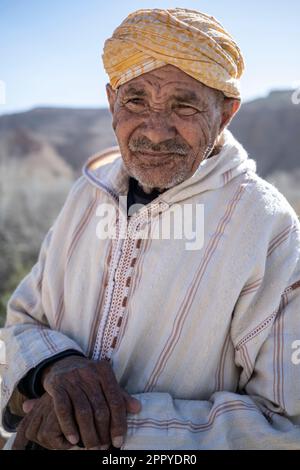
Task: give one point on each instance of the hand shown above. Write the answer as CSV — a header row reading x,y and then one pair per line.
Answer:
x,y
40,425
88,402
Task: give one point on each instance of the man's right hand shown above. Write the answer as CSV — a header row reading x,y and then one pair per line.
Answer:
x,y
88,401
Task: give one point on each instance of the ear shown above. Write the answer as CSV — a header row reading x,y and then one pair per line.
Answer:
x,y
230,108
111,96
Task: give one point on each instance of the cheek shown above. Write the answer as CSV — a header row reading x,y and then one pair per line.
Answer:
x,y
199,132
124,125
117,122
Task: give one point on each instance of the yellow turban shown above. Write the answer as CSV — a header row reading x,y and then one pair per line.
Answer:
x,y
192,41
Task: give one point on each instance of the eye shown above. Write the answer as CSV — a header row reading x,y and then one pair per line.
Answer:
x,y
184,110
135,104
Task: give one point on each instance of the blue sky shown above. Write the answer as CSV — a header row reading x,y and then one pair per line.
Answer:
x,y
50,51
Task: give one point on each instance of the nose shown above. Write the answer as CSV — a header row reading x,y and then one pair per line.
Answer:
x,y
158,127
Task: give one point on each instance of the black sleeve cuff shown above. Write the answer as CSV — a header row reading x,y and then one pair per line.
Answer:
x,y
31,386
10,422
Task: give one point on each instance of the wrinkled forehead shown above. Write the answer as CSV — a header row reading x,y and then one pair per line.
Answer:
x,y
166,81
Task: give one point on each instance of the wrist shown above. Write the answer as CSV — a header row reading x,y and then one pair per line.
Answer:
x,y
58,363
45,372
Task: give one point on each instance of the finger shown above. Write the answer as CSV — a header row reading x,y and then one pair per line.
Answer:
x,y
133,405
118,420
20,441
116,403
64,412
29,404
102,418
57,443
60,443
84,418
32,427
50,435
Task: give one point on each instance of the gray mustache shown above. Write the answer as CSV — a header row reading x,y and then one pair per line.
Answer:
x,y
169,146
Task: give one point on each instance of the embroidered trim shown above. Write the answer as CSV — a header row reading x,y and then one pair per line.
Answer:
x,y
115,255
292,287
123,276
265,323
125,253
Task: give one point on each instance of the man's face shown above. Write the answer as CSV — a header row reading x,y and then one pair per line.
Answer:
x,y
166,123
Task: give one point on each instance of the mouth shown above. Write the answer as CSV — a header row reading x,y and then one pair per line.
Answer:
x,y
155,155
154,160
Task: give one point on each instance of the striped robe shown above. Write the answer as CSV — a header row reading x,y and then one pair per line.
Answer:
x,y
208,338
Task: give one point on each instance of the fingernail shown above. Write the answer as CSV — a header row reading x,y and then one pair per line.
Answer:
x,y
118,441
73,439
25,407
135,401
28,405
135,405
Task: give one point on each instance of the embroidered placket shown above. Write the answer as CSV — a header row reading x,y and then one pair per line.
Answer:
x,y
125,252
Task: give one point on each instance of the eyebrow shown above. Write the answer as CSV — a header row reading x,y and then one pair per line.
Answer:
x,y
135,91
188,96
185,96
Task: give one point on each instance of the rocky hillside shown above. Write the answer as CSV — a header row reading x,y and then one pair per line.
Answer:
x,y
70,134
269,130
267,127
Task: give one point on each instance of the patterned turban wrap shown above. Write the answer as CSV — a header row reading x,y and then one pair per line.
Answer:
x,y
192,41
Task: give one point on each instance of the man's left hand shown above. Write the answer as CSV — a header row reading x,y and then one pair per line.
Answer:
x,y
40,425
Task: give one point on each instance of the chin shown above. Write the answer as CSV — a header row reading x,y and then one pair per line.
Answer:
x,y
160,183
156,176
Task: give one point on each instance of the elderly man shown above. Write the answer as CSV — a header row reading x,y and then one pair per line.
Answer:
x,y
149,342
